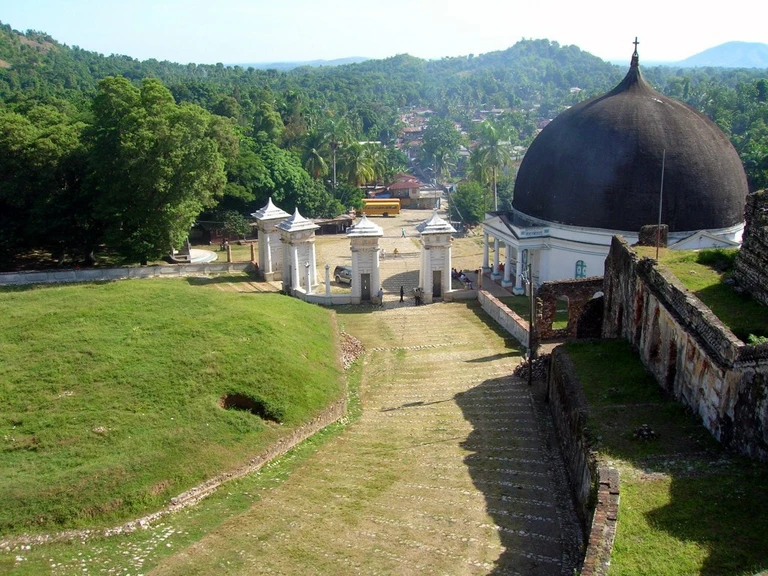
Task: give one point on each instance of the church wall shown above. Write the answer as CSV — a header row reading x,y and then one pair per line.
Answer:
x,y
689,351
562,262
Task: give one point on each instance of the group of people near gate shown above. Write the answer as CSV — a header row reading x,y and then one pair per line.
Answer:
x,y
461,277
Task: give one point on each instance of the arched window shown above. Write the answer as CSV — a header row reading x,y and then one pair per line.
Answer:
x,y
524,258
581,269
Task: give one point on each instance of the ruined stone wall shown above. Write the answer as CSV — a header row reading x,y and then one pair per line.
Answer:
x,y
595,488
569,413
690,352
578,292
752,261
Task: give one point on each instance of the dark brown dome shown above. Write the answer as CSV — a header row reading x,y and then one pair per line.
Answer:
x,y
599,165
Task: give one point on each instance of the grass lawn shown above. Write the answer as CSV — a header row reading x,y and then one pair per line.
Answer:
x,y
703,272
111,392
687,506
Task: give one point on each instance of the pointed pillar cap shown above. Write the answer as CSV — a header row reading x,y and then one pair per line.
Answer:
x,y
296,223
270,212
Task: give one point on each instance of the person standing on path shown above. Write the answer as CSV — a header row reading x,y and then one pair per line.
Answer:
x,y
402,293
381,297
402,232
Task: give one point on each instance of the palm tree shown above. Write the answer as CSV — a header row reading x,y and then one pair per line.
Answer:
x,y
491,155
315,164
357,164
335,133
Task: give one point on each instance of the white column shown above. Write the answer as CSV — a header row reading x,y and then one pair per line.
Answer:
x,y
267,253
327,280
496,258
447,270
507,264
375,276
312,264
518,272
355,275
422,264
295,267
308,278
485,250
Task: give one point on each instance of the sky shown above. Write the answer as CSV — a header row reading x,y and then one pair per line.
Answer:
x,y
247,31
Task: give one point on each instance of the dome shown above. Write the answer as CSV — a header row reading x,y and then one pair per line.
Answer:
x,y
599,165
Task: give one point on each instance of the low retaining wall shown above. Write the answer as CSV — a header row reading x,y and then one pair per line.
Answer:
x,y
121,273
595,489
506,318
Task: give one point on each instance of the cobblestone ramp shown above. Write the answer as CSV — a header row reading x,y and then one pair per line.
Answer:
x,y
448,470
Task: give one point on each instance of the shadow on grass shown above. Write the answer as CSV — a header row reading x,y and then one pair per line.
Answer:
x,y
510,461
687,507
492,357
224,279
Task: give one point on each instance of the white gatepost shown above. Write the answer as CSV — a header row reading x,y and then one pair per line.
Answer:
x,y
270,247
364,245
297,235
436,238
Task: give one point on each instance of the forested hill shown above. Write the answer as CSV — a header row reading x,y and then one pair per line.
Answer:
x,y
39,66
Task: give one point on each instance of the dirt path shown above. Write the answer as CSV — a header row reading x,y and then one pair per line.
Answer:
x,y
446,472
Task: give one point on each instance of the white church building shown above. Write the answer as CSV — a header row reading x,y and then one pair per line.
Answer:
x,y
596,171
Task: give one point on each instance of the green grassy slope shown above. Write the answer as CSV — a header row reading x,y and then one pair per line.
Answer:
x,y
110,393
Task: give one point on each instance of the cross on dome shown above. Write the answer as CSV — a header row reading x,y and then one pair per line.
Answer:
x,y
635,57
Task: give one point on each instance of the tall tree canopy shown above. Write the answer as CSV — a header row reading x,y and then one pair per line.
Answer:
x,y
156,165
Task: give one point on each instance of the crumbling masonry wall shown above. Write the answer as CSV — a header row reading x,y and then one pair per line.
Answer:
x,y
690,352
578,292
752,261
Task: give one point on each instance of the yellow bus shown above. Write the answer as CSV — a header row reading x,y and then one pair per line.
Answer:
x,y
381,206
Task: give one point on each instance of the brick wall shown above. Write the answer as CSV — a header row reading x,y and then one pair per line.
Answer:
x,y
578,292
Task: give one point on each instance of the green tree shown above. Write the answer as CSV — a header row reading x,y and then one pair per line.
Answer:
x,y
334,134
491,156
267,123
156,165
468,203
357,166
441,144
235,224
42,203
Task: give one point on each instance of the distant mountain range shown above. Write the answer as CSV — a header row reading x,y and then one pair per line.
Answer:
x,y
283,66
730,55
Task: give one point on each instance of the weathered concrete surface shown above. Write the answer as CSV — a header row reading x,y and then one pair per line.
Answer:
x,y
451,469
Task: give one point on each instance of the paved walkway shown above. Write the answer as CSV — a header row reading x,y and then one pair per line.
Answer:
x,y
450,469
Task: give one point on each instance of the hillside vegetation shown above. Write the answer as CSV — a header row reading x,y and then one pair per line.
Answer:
x,y
112,393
